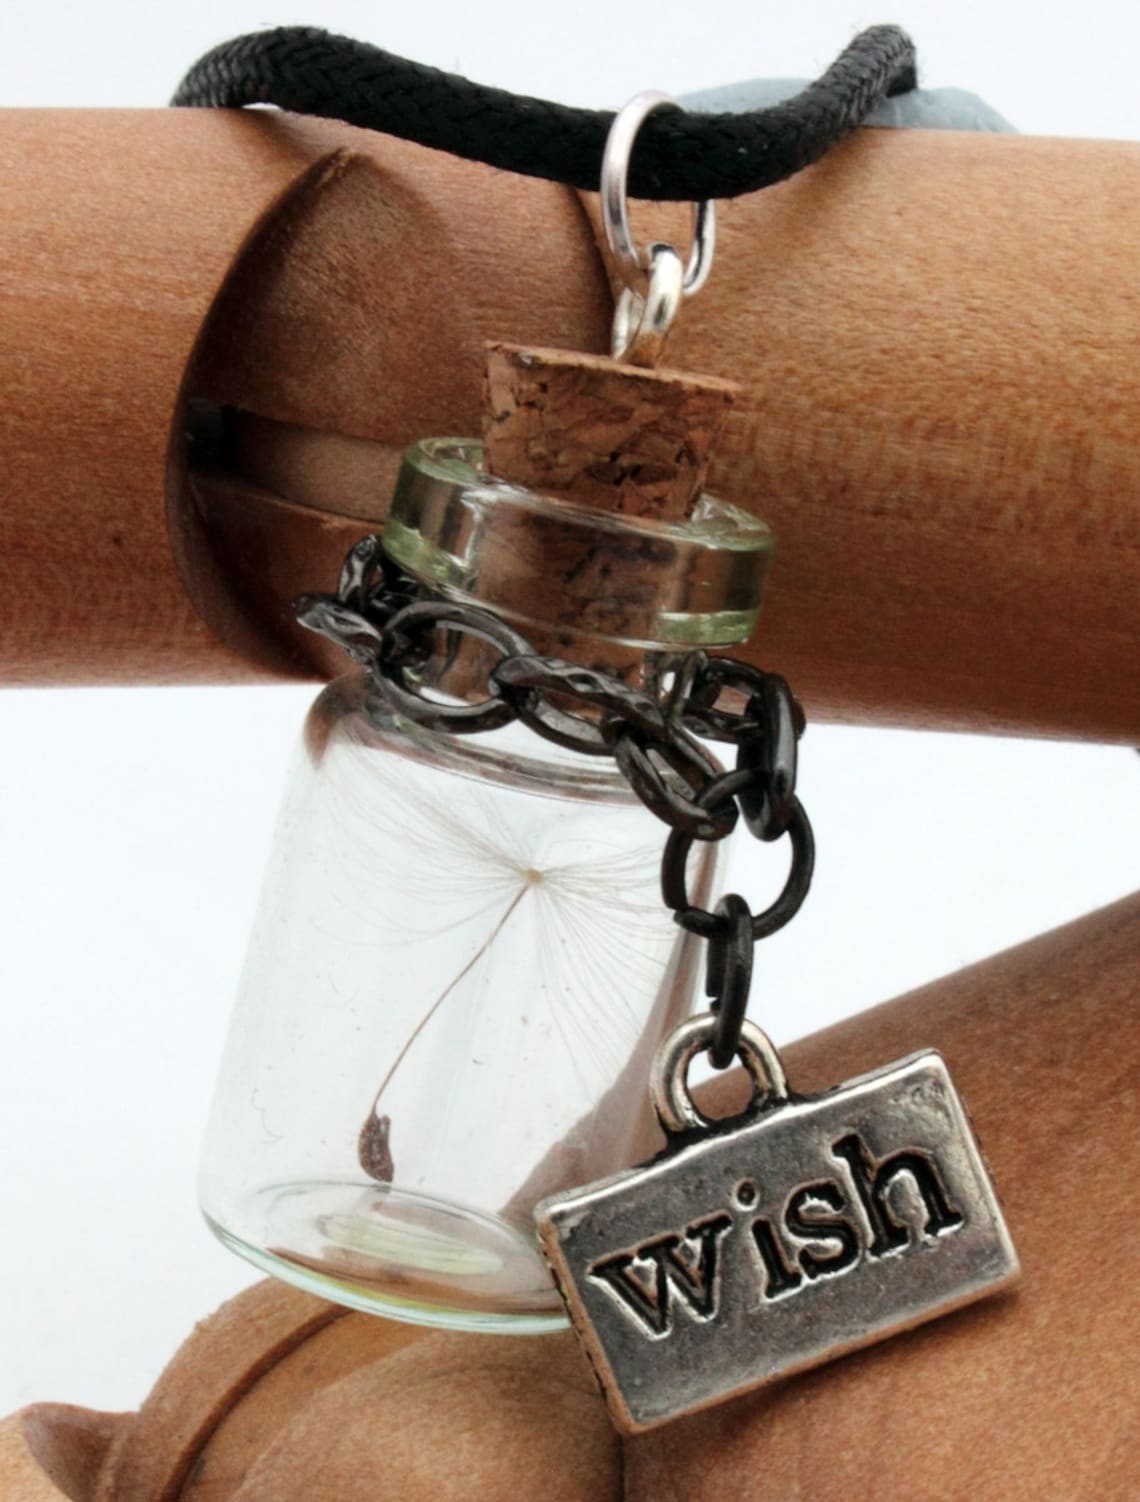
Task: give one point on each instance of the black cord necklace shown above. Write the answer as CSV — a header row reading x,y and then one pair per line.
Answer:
x,y
680,155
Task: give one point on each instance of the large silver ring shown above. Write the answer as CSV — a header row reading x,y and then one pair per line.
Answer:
x,y
633,264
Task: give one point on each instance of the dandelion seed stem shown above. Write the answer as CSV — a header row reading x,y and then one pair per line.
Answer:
x,y
530,880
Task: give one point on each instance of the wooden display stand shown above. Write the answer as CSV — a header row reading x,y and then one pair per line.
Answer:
x,y
208,381
282,1398
935,335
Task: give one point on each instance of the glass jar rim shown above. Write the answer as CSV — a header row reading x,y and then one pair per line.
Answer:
x,y
549,562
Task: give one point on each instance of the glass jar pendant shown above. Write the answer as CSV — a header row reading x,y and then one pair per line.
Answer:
x,y
461,967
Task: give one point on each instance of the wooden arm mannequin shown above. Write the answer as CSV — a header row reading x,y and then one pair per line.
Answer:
x,y
941,426
934,332
1028,1397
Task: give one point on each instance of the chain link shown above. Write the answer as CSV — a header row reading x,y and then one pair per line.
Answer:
x,y
533,685
405,648
390,624
728,977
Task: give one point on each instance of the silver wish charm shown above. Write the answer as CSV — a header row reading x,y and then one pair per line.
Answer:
x,y
755,1247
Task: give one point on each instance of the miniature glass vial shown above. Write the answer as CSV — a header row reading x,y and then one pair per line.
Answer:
x,y
461,966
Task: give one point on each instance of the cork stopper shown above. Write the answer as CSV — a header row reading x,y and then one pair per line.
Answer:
x,y
599,432
580,518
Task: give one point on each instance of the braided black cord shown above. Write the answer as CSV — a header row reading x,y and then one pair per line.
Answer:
x,y
678,155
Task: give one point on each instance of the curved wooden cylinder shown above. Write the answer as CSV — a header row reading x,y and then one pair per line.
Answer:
x,y
937,334
330,276
281,1398
53,1452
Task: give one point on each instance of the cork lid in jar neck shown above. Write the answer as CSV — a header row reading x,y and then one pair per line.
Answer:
x,y
569,576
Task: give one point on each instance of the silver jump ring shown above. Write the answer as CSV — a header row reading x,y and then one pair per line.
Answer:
x,y
632,263
642,320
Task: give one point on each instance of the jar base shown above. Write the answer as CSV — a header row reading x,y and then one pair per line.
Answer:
x,y
388,1251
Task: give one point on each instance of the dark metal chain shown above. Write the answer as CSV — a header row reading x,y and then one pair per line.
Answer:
x,y
387,622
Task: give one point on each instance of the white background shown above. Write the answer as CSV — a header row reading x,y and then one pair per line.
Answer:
x,y
134,823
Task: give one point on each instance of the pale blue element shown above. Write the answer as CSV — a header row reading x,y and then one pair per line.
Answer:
x,y
929,109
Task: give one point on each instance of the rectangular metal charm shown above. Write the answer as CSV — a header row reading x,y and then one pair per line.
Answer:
x,y
753,1250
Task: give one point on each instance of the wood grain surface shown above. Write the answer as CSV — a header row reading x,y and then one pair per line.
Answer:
x,y
1025,1397
936,334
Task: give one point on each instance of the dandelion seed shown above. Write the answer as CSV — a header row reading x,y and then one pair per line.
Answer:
x,y
591,914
